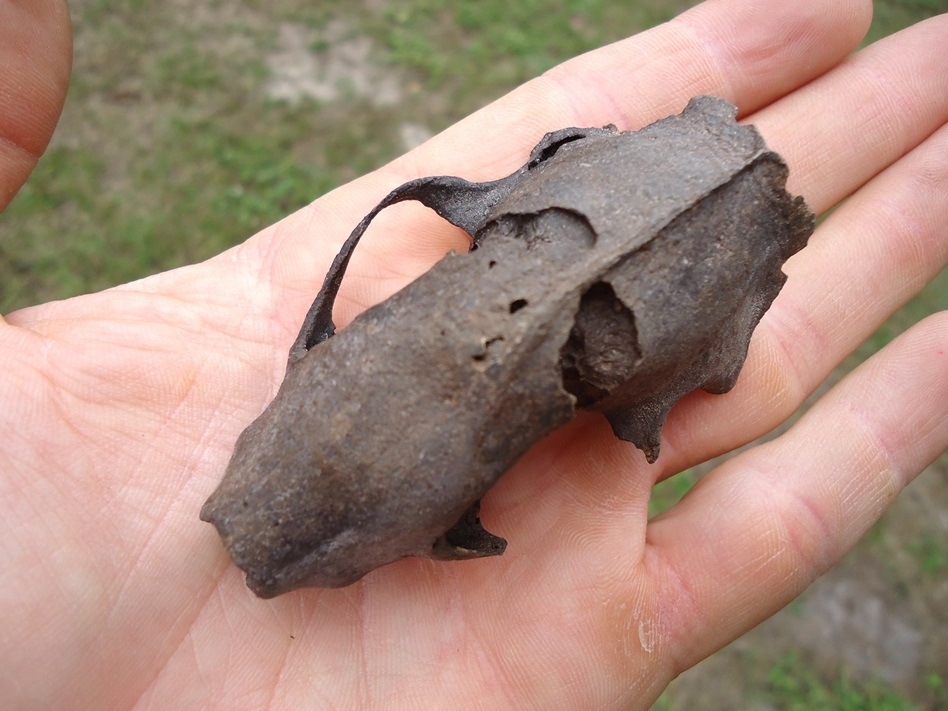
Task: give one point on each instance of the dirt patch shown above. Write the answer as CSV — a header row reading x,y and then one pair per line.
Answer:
x,y
327,65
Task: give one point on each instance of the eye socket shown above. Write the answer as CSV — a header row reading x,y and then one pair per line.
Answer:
x,y
517,304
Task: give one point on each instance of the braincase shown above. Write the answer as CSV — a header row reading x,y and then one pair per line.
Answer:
x,y
627,185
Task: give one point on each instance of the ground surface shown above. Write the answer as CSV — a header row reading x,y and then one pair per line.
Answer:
x,y
190,125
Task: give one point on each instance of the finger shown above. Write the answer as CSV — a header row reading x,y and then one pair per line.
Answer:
x,y
35,58
866,260
872,109
748,52
756,531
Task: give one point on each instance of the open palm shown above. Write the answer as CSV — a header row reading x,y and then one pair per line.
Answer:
x,y
120,409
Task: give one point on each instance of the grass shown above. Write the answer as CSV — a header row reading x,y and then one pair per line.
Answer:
x,y
794,686
931,555
892,15
476,49
667,493
791,683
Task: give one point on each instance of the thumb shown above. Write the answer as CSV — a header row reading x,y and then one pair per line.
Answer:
x,y
35,60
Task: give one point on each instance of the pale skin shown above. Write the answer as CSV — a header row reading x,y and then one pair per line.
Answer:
x,y
120,409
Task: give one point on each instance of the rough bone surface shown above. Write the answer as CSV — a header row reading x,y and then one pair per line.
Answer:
x,y
614,271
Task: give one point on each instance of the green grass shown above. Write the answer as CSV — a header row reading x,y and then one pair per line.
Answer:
x,y
82,223
476,49
892,15
788,682
931,554
793,685
667,493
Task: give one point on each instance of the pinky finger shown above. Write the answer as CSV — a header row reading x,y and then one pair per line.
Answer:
x,y
758,530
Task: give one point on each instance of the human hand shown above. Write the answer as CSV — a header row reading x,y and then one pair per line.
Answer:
x,y
121,408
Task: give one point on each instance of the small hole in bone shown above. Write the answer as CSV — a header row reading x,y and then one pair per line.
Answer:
x,y
517,304
481,356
